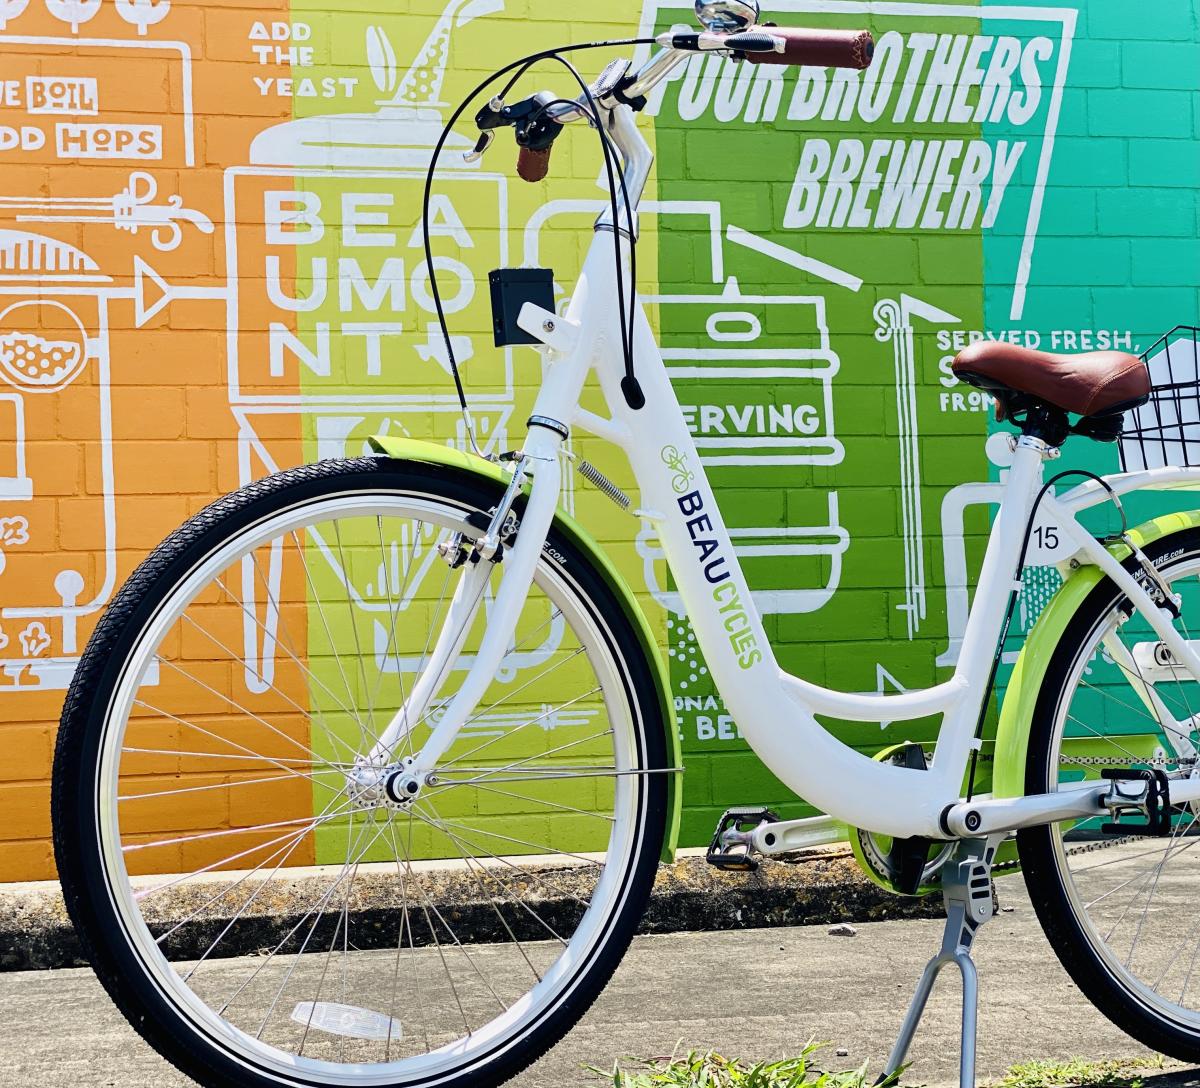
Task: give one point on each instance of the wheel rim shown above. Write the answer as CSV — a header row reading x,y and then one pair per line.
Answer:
x,y
1131,895
428,968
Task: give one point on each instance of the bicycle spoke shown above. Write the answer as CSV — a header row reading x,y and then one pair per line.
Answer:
x,y
316,598
462,843
251,756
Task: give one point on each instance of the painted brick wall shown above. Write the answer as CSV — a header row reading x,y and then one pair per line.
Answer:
x,y
137,139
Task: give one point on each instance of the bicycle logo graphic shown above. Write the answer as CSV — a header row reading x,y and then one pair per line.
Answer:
x,y
677,463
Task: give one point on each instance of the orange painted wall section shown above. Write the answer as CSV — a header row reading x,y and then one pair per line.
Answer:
x,y
115,418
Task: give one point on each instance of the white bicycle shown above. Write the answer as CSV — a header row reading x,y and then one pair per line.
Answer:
x,y
414,677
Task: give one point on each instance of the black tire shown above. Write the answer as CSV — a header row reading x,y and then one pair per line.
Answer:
x,y
78,848
1043,853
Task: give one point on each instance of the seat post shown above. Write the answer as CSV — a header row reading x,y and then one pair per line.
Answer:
x,y
1044,422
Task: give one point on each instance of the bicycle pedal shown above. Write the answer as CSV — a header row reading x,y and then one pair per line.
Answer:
x,y
1155,803
732,863
732,842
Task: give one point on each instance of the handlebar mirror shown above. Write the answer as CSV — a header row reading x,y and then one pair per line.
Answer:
x,y
727,16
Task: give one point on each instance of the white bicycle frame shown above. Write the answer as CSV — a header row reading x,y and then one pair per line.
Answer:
x,y
775,710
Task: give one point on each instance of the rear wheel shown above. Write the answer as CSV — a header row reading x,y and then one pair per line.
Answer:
x,y
267,911
1119,910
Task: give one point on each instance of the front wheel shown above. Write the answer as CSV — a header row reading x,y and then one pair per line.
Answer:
x,y
264,908
1120,910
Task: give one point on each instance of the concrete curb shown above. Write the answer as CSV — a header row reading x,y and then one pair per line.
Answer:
x,y
825,888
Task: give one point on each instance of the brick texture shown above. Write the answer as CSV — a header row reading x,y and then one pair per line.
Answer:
x,y
160,303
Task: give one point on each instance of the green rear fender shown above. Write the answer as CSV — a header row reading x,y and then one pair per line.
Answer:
x,y
1016,712
407,449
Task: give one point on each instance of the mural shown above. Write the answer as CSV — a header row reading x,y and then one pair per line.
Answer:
x,y
211,267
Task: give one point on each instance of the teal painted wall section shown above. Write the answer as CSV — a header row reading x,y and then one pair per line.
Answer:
x,y
1117,259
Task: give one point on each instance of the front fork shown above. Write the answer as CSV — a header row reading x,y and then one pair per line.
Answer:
x,y
539,460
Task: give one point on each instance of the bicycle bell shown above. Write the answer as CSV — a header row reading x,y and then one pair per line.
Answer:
x,y
727,16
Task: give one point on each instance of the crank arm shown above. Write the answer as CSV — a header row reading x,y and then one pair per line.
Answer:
x,y
787,835
1073,801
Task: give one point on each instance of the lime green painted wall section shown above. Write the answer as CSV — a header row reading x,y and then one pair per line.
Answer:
x,y
431,453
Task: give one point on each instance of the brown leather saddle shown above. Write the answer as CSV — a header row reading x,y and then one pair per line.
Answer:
x,y
1098,385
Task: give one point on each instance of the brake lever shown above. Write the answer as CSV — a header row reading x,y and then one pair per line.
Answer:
x,y
481,145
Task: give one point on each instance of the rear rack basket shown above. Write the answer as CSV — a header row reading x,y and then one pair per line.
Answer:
x,y
1166,429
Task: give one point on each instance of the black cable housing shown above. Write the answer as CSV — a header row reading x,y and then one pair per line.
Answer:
x,y
520,67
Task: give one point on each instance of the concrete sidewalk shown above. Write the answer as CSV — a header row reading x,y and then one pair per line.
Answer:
x,y
754,993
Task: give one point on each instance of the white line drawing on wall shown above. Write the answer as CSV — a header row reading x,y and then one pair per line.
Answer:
x,y
923,15
894,321
799,261
79,47
727,324
14,476
33,363
143,13
369,153
37,366
10,9
130,210
73,11
14,532
48,283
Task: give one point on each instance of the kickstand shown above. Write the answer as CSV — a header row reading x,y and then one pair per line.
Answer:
x,y
967,889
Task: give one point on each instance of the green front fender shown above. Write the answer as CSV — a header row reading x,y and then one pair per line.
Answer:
x,y
1016,712
429,453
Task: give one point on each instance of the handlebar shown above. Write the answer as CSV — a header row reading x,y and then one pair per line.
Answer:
x,y
818,48
538,120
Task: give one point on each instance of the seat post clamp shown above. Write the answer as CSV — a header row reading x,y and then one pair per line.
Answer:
x,y
560,429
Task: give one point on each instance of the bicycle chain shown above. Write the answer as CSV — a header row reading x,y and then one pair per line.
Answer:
x,y
801,857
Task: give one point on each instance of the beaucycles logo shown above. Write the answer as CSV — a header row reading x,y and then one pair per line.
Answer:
x,y
734,617
987,83
677,463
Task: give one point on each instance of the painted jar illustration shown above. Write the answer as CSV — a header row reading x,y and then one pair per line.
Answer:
x,y
332,326
57,546
332,315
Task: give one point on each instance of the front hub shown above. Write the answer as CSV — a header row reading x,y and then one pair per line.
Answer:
x,y
382,787
401,787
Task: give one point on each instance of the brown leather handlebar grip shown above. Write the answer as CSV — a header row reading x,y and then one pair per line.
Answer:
x,y
818,48
533,165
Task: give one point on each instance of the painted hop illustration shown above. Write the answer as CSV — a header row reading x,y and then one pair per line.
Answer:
x,y
33,361
73,11
143,13
10,9
14,531
382,59
35,639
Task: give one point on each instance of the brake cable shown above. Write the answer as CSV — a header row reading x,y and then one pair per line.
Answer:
x,y
629,384
521,66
